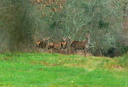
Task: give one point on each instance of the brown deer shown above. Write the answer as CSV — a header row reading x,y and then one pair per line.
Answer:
x,y
65,45
50,46
57,47
42,44
60,46
80,45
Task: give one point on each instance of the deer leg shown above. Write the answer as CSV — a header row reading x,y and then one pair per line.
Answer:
x,y
65,51
85,51
72,50
61,51
51,50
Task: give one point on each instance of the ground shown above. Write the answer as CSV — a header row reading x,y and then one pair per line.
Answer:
x,y
56,70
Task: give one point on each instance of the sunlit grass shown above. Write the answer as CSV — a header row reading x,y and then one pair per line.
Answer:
x,y
56,70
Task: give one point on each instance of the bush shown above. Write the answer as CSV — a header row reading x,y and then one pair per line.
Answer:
x,y
123,61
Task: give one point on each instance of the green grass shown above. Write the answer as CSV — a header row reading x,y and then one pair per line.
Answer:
x,y
123,61
56,70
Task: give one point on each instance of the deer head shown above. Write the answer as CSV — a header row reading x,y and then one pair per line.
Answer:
x,y
69,37
87,35
64,39
64,43
37,43
47,38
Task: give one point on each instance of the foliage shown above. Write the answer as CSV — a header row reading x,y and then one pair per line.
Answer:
x,y
25,21
17,22
102,19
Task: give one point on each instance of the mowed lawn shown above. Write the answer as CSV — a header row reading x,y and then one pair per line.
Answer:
x,y
56,70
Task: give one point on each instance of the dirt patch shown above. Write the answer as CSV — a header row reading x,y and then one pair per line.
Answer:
x,y
48,64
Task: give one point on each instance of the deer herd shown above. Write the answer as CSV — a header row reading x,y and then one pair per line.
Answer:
x,y
65,46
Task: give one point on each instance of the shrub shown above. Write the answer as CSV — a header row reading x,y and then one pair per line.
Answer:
x,y
123,61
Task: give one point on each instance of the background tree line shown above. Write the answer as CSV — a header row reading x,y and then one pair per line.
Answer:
x,y
23,22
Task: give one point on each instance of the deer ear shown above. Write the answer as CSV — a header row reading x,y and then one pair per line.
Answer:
x,y
87,34
64,38
69,37
44,39
47,38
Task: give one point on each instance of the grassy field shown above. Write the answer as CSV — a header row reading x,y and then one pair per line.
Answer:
x,y
56,70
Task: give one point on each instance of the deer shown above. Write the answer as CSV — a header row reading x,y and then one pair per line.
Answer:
x,y
42,44
80,45
54,46
50,46
58,47
65,44
38,44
